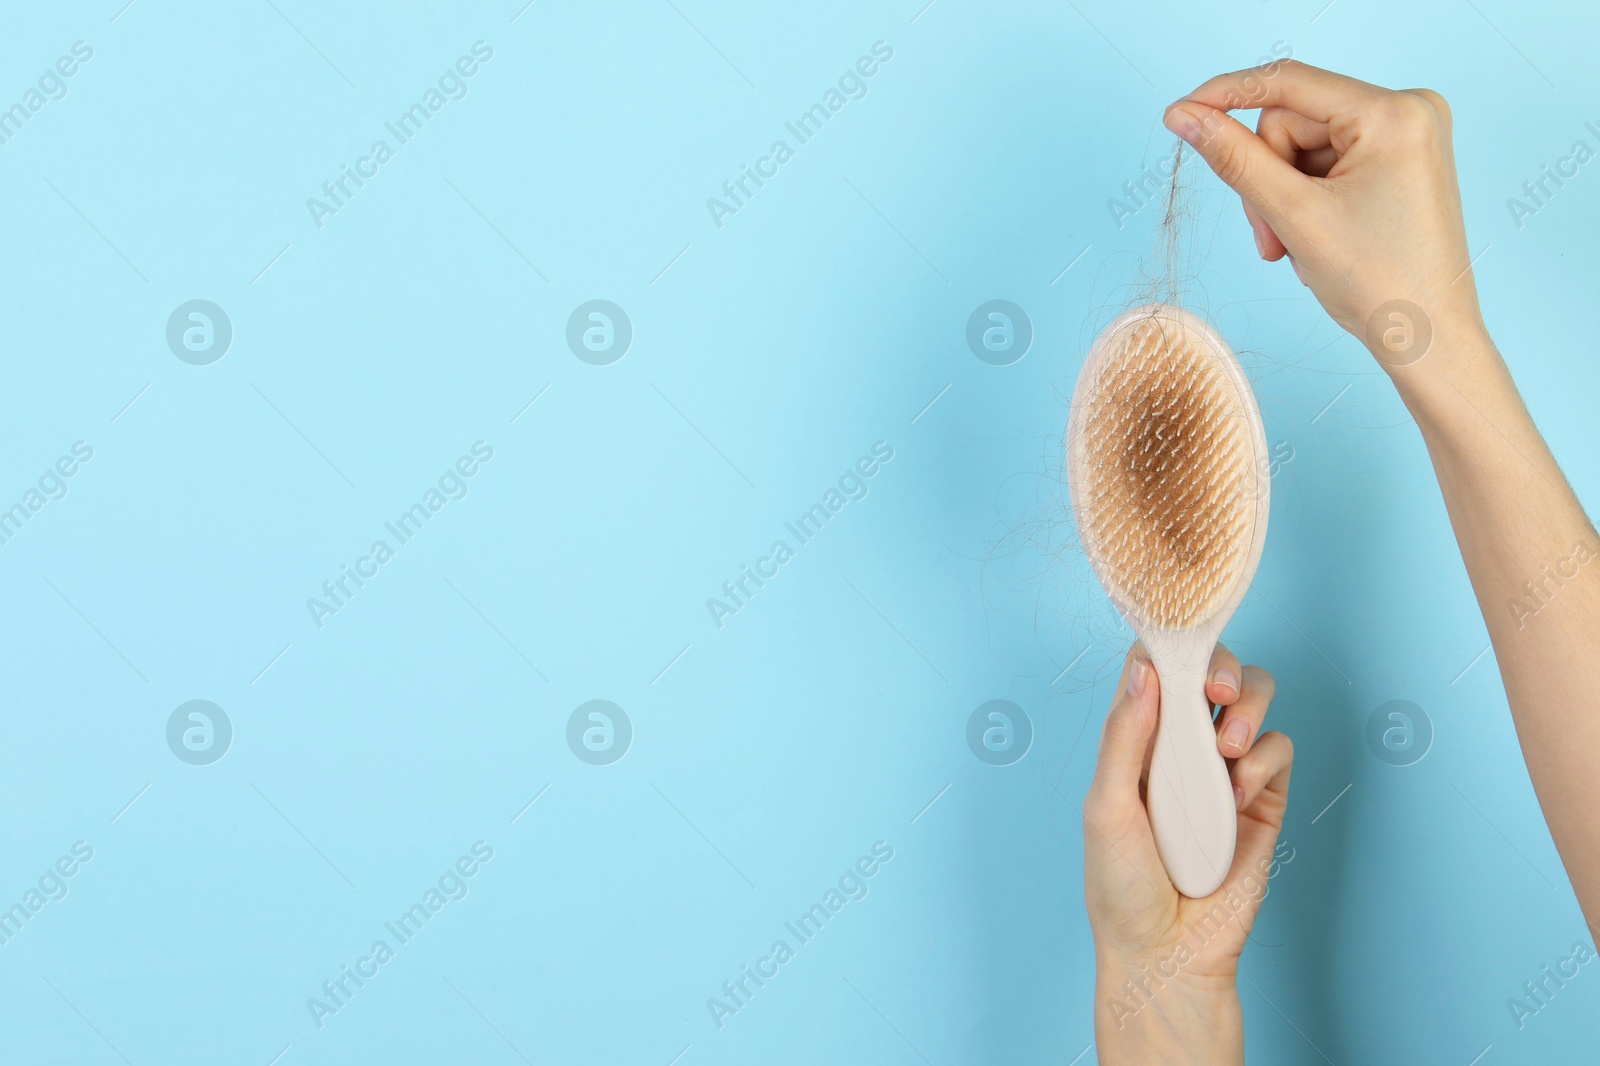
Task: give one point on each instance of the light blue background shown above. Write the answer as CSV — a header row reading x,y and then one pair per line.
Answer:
x,y
771,353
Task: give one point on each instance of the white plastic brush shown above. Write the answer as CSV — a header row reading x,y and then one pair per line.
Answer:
x,y
1165,461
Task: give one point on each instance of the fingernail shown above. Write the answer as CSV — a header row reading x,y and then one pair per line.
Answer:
x,y
1261,244
1238,798
1136,677
1235,733
1183,122
1226,678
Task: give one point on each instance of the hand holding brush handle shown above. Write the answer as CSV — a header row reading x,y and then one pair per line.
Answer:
x,y
1165,963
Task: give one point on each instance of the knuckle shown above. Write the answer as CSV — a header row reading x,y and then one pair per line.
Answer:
x,y
1441,106
1098,812
1286,65
1229,162
1250,775
1273,125
1122,728
1260,683
1410,119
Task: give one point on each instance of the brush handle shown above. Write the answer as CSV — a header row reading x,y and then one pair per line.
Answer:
x,y
1189,794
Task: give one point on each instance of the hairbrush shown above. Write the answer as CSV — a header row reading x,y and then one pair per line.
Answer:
x,y
1164,457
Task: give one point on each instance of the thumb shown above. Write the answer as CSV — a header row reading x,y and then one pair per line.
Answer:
x,y
1130,724
1266,182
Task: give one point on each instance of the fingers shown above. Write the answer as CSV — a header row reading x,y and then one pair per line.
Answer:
x,y
1244,694
1241,719
1130,726
1298,104
1288,131
1268,245
1266,766
1306,145
1268,184
1262,786
1223,678
1320,95
1303,144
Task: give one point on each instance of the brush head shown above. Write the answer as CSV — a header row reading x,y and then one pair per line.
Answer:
x,y
1164,446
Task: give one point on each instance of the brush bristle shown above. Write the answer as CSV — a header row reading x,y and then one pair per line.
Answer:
x,y
1165,472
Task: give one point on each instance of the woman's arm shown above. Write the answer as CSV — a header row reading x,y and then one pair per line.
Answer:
x,y
1531,554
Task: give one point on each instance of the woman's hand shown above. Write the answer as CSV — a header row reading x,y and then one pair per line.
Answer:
x,y
1166,964
1357,185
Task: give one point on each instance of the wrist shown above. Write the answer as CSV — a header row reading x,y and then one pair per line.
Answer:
x,y
1460,360
1187,1020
